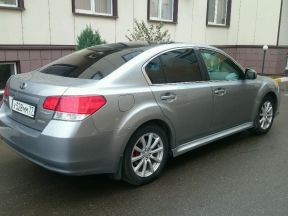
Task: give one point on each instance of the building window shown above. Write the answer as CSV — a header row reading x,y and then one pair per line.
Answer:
x,y
6,70
162,10
95,7
218,12
12,4
9,3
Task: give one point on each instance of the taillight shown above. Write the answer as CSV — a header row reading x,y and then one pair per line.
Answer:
x,y
50,103
80,104
6,94
74,108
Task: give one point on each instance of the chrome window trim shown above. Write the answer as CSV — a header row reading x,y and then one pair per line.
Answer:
x,y
176,83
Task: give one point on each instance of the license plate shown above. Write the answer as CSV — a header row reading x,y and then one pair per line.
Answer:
x,y
23,108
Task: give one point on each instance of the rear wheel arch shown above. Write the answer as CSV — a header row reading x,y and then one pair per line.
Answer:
x,y
161,124
134,172
168,129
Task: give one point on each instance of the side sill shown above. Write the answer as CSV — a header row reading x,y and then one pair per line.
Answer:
x,y
208,139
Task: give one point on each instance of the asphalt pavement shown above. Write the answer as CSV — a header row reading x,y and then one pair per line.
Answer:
x,y
240,175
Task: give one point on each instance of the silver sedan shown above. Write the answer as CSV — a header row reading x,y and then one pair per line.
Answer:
x,y
123,108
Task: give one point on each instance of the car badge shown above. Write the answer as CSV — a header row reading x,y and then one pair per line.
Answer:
x,y
23,85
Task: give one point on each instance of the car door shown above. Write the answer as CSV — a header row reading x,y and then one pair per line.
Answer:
x,y
233,96
184,97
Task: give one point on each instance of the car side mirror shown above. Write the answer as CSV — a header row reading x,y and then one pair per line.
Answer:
x,y
250,74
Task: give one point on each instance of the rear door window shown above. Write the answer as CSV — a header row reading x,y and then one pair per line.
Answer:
x,y
175,66
181,66
155,72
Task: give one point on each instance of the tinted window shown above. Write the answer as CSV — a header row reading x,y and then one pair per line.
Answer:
x,y
93,63
155,72
174,66
180,66
220,67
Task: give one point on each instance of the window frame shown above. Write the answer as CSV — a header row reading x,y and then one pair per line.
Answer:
x,y
227,14
227,56
92,12
15,71
199,60
174,19
18,6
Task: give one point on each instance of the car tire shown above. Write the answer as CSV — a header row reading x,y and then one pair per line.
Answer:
x,y
145,155
265,116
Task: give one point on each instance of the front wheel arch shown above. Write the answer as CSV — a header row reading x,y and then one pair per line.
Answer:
x,y
262,93
273,96
257,129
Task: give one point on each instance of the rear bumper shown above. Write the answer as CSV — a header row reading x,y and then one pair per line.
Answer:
x,y
63,147
63,167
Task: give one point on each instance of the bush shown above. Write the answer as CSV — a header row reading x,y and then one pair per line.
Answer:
x,y
150,32
88,38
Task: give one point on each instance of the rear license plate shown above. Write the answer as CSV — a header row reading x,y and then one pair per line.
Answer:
x,y
23,108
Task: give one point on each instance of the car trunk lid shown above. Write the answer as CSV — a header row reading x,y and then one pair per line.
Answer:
x,y
32,89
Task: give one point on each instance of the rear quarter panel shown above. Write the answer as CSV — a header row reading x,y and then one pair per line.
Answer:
x,y
130,104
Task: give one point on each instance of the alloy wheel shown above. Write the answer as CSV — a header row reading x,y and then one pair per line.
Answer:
x,y
266,115
147,154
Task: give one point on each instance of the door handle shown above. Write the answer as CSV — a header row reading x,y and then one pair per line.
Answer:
x,y
220,92
168,97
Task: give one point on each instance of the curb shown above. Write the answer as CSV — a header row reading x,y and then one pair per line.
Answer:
x,y
281,80
282,83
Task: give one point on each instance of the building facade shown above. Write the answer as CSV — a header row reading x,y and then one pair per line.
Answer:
x,y
36,32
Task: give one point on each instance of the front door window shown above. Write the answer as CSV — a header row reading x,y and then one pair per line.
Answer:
x,y
220,67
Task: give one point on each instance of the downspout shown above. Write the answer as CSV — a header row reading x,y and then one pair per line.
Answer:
x,y
279,25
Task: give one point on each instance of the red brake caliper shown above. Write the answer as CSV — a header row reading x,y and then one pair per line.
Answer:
x,y
135,153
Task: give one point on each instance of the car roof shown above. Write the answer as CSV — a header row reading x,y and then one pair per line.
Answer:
x,y
145,45
120,46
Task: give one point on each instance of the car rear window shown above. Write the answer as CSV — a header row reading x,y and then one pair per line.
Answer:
x,y
93,63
